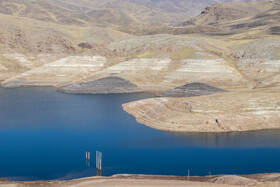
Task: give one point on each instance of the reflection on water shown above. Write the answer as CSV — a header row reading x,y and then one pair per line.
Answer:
x,y
98,172
251,139
45,134
87,163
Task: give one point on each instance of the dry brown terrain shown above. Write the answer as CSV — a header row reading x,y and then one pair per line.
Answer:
x,y
269,180
224,112
117,47
52,43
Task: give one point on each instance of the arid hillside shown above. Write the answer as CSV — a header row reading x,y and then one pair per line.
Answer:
x,y
230,50
57,41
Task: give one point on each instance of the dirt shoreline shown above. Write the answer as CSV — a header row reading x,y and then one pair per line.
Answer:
x,y
272,179
223,112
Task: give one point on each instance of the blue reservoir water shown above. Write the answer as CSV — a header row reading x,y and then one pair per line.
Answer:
x,y
45,134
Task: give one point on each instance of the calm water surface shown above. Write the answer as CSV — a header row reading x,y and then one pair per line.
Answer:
x,y
44,135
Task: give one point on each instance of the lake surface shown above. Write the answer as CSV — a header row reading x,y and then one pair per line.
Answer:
x,y
45,134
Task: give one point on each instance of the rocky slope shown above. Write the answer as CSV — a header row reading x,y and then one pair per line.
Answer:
x,y
103,86
259,60
226,13
191,90
236,17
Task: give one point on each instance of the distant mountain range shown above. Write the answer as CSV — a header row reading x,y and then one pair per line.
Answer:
x,y
107,12
55,25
